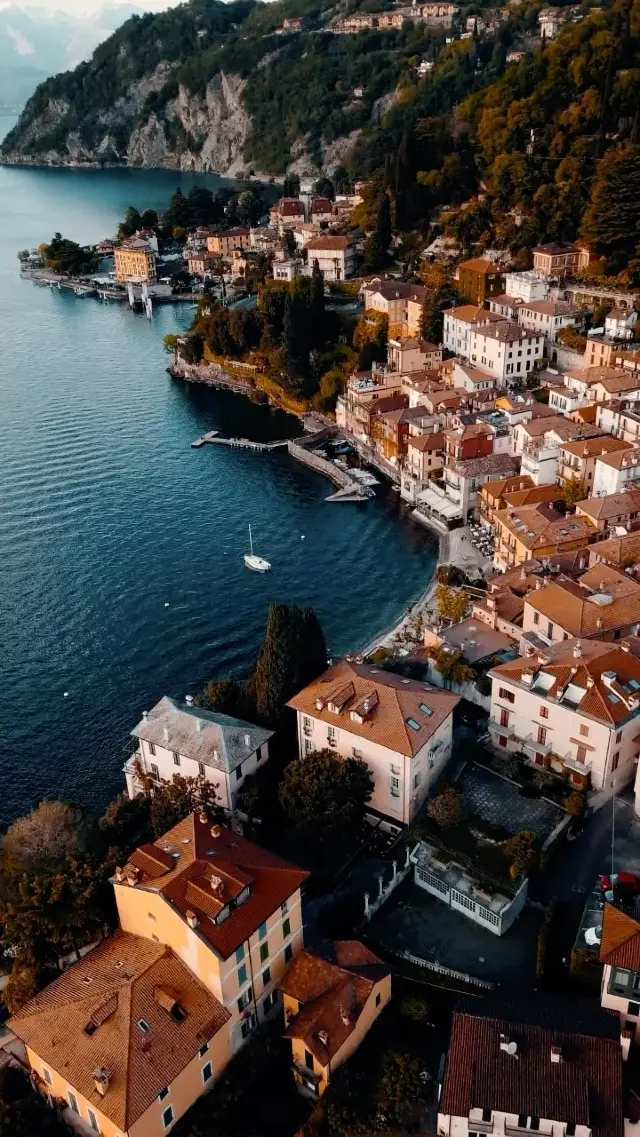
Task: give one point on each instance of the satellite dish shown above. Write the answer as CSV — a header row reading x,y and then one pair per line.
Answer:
x,y
593,936
512,1048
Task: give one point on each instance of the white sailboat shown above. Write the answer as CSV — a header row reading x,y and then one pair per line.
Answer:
x,y
256,564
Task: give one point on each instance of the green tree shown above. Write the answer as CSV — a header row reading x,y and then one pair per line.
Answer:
x,y
519,851
173,800
317,301
341,180
324,188
292,654
611,224
375,255
222,695
573,490
446,808
149,219
132,222
291,186
324,796
383,222
23,1111
451,603
432,318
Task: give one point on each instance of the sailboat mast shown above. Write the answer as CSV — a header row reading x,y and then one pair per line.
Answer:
x,y
250,540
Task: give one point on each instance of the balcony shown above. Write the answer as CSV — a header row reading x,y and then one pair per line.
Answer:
x,y
497,728
480,1126
530,743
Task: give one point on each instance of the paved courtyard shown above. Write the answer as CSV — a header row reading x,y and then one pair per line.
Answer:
x,y
498,801
415,921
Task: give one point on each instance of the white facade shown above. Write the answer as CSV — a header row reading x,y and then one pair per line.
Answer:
x,y
614,473
335,263
287,269
624,424
619,324
620,991
546,323
159,763
526,286
440,875
523,719
500,347
401,783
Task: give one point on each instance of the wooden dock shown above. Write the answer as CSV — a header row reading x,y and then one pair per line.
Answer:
x,y
237,443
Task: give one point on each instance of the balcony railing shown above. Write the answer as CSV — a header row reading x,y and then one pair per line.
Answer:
x,y
480,1126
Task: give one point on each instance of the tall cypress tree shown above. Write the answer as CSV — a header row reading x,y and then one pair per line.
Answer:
x,y
383,222
612,219
292,654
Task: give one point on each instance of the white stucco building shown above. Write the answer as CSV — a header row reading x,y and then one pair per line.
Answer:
x,y
402,730
548,317
575,708
495,345
180,738
614,472
526,286
336,256
620,954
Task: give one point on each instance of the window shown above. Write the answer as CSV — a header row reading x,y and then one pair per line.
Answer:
x,y
167,1116
355,753
262,931
544,712
331,735
73,1102
151,915
633,1009
242,975
207,1073
152,749
264,951
308,1059
155,773
266,977
288,953
394,787
47,1076
203,1050
549,629
502,740
504,718
522,1120
284,908
238,773
581,754
619,736
93,1121
616,759
508,695
163,1093
308,746
201,769
144,1026
619,980
286,929
378,998
248,1025
245,999
176,759
584,731
534,1122
416,780
571,1129
542,734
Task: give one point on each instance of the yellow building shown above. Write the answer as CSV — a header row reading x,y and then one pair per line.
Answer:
x,y
223,243
135,1032
330,1002
135,259
537,530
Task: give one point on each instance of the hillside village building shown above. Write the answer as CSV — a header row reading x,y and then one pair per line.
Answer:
x,y
336,256
131,1035
402,730
606,513
603,604
224,242
176,738
540,1064
478,279
558,259
548,317
401,303
574,708
577,460
537,531
620,954
331,998
493,344
135,260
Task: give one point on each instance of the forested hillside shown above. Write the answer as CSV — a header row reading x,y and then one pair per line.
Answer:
x,y
544,148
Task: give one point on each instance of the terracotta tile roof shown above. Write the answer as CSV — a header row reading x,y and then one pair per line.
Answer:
x,y
332,987
424,442
556,248
497,488
585,1088
613,505
506,603
617,550
290,207
550,307
622,459
597,374
210,870
603,599
122,981
490,464
479,264
471,312
538,526
604,678
532,495
620,942
588,447
399,702
525,576
331,243
507,331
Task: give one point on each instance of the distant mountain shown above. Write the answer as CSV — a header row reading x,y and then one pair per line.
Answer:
x,y
37,42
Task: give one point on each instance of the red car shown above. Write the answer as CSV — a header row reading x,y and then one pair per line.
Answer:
x,y
625,880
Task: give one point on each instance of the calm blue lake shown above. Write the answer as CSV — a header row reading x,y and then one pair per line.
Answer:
x,y
121,574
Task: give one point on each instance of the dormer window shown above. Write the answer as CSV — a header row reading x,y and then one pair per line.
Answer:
x,y
143,1025
222,915
244,895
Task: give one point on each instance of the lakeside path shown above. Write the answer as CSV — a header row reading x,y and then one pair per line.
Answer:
x,y
455,548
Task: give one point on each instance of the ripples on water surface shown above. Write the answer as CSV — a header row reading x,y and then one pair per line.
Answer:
x,y
107,515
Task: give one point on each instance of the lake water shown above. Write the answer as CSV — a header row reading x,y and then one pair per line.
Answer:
x,y
121,574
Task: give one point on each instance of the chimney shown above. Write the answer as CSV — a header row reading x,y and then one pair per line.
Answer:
x,y
215,831
202,817
538,584
625,645
344,1015
199,725
101,1079
323,1036
189,700
247,740
319,704
132,875
145,714
577,650
165,734
556,1054
192,919
119,873
217,886
590,683
625,1043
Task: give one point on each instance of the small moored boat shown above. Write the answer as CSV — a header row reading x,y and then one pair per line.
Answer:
x,y
253,562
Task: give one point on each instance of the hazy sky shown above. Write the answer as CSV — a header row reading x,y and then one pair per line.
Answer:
x,y
87,7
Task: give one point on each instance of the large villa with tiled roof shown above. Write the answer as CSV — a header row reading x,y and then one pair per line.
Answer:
x,y
401,728
129,1037
574,709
